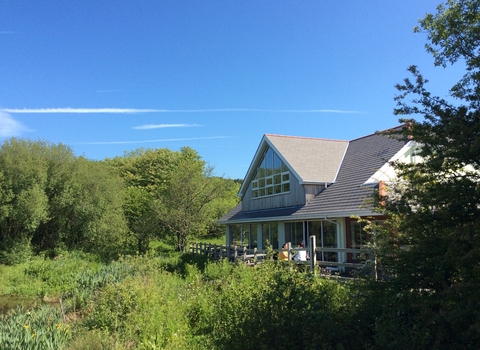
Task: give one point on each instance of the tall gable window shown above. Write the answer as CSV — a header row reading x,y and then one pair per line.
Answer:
x,y
272,176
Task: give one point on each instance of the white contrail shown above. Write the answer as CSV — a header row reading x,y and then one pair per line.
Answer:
x,y
149,141
161,126
137,110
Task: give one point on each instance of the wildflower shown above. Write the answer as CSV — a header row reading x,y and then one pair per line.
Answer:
x,y
26,327
33,335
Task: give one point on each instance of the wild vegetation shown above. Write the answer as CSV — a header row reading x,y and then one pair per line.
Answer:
x,y
103,242
51,200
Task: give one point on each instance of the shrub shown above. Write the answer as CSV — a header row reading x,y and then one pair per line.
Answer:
x,y
268,307
141,310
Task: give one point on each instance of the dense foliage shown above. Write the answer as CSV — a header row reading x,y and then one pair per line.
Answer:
x,y
172,195
52,200
183,302
430,299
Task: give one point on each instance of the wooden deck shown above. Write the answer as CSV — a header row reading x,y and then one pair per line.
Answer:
x,y
256,256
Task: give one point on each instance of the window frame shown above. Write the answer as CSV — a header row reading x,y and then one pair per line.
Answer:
x,y
272,176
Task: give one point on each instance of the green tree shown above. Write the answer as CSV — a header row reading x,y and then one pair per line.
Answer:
x,y
221,205
145,173
430,299
96,221
186,208
50,199
24,205
172,195
141,217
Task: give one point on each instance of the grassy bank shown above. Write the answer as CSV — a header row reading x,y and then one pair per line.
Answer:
x,y
174,302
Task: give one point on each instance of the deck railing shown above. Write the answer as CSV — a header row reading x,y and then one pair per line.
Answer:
x,y
253,256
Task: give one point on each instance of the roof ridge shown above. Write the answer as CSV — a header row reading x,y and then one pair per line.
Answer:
x,y
377,132
306,137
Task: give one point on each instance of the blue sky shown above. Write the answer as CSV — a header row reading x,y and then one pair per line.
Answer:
x,y
108,76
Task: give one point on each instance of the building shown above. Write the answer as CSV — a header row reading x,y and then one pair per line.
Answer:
x,y
296,187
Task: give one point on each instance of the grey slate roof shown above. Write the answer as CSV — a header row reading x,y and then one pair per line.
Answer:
x,y
314,160
310,160
346,196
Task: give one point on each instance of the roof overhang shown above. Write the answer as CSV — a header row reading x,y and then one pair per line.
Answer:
x,y
304,217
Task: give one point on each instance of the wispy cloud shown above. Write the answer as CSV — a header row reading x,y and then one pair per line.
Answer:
x,y
79,110
151,141
111,90
136,110
9,127
161,126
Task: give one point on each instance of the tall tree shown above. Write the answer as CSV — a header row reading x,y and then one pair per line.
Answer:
x,y
431,297
51,199
24,204
186,207
145,173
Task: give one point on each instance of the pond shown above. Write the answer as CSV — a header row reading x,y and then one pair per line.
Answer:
x,y
8,302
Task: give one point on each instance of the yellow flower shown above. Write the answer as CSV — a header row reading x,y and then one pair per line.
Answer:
x,y
26,327
33,335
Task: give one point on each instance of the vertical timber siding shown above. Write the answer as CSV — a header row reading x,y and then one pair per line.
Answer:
x,y
296,196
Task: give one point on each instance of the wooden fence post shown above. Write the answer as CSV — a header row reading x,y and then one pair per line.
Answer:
x,y
313,254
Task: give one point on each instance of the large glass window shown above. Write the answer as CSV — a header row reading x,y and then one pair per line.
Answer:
x,y
241,235
326,237
358,234
294,233
272,176
270,234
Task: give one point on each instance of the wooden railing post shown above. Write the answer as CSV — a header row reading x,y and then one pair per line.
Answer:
x,y
313,254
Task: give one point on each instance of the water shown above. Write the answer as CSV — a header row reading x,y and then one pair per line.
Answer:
x,y
10,302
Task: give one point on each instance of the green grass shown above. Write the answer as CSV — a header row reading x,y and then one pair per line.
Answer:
x,y
220,240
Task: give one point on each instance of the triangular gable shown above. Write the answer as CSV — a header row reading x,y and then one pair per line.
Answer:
x,y
310,160
386,173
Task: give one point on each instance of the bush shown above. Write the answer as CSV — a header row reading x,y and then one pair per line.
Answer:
x,y
15,252
268,307
142,310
